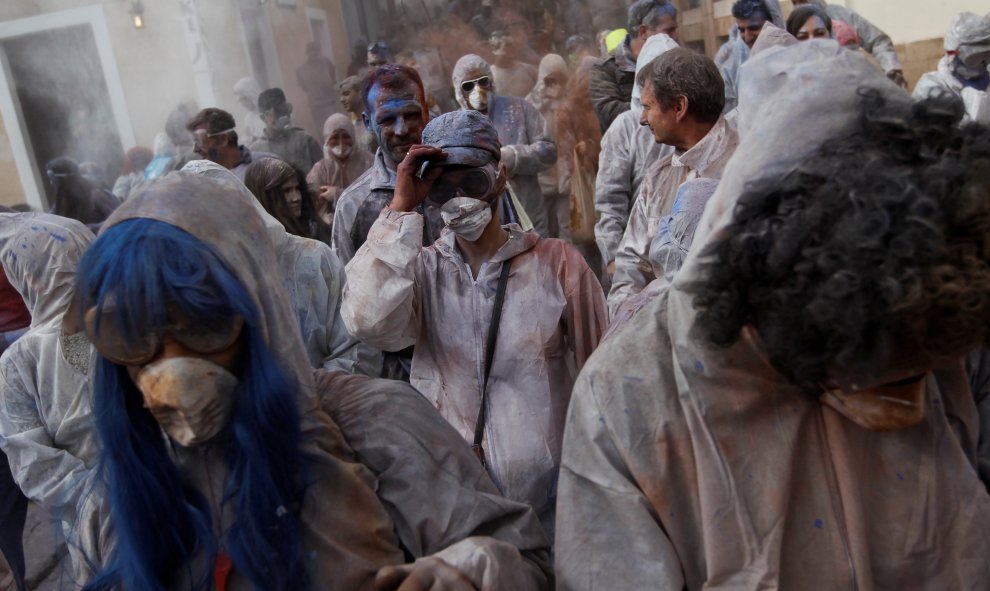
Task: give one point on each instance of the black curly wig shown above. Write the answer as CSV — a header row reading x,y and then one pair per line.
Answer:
x,y
879,242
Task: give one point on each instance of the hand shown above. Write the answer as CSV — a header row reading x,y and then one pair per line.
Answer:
x,y
426,574
326,193
898,77
610,269
509,158
410,189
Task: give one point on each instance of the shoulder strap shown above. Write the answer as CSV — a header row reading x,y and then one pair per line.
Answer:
x,y
479,427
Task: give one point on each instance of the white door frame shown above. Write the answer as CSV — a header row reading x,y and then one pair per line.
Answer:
x,y
10,108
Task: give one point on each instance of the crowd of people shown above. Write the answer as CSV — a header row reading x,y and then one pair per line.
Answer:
x,y
620,316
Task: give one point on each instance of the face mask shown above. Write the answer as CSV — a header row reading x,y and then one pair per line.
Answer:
x,y
968,72
191,398
478,99
341,151
467,217
884,408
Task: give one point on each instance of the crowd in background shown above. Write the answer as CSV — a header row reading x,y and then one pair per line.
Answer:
x,y
554,301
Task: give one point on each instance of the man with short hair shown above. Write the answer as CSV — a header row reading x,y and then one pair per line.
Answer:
x,y
518,351
612,77
282,138
527,148
215,139
353,104
750,16
871,38
379,54
682,104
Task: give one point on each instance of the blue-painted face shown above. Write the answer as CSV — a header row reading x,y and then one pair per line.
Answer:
x,y
397,121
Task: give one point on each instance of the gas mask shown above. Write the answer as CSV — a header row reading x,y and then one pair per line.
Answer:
x,y
192,399
887,407
467,217
971,62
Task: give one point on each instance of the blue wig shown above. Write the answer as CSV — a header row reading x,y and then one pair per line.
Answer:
x,y
143,268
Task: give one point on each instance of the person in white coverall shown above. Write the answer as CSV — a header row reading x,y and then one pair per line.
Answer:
x,y
527,147
963,71
628,151
441,298
46,427
797,410
682,104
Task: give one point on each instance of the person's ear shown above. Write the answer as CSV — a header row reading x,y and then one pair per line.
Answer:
x,y
681,107
642,32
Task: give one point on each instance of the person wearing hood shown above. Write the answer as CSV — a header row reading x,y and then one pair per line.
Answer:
x,y
527,148
682,105
75,197
46,424
246,91
613,77
353,104
868,36
963,71
795,411
215,139
548,97
750,16
219,443
511,76
628,151
282,137
342,164
499,368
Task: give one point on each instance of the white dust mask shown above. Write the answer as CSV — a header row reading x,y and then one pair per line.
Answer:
x,y
341,151
467,217
191,398
478,99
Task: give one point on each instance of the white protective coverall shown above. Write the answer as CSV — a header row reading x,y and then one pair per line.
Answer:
x,y
45,376
314,278
628,149
403,294
346,529
527,146
691,467
735,52
707,159
968,30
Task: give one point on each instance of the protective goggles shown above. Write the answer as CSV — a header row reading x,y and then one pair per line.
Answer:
x,y
200,135
483,82
206,338
476,183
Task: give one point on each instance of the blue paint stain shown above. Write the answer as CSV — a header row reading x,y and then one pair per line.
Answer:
x,y
632,378
699,366
671,514
625,410
601,419
57,237
819,524
900,476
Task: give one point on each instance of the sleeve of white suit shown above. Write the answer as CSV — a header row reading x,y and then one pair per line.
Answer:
x,y
381,305
633,270
871,38
613,191
541,151
344,351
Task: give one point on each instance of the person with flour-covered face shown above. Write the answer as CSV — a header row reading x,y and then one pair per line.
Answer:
x,y
501,319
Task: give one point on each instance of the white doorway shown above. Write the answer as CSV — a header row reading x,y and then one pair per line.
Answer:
x,y
72,106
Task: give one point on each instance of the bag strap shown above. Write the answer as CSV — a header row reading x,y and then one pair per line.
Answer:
x,y
479,427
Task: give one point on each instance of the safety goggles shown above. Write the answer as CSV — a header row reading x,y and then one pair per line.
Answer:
x,y
483,82
200,135
206,338
476,183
